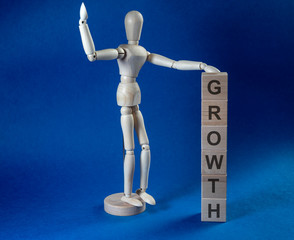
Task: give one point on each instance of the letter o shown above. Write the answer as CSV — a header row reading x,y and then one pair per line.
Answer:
x,y
209,138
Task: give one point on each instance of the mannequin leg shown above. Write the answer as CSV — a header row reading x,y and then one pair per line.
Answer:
x,y
145,155
127,124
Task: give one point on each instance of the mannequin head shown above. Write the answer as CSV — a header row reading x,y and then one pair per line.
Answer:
x,y
133,25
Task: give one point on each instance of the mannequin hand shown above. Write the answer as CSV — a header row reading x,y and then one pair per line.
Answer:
x,y
211,69
83,14
87,40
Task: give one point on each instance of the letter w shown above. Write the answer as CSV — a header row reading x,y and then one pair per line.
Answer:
x,y
214,159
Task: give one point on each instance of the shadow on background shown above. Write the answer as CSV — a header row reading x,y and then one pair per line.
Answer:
x,y
163,203
277,196
182,226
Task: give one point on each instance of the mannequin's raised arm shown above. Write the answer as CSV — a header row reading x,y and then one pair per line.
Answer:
x,y
180,65
88,44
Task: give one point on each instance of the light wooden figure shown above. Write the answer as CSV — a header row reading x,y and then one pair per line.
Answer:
x,y
130,58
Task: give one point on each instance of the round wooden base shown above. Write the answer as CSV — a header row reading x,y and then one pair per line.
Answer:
x,y
114,206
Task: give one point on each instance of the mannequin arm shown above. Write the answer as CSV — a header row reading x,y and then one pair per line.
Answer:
x,y
107,54
180,65
88,44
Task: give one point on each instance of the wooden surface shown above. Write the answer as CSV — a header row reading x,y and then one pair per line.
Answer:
x,y
213,210
214,186
214,83
213,162
214,138
214,120
114,206
214,112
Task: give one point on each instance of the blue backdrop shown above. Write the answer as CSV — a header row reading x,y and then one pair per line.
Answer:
x,y
60,135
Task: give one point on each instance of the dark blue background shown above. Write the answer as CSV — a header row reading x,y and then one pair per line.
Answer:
x,y
60,136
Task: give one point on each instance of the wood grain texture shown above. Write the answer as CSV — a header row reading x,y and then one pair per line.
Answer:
x,y
213,210
213,138
214,86
214,112
114,206
213,162
214,186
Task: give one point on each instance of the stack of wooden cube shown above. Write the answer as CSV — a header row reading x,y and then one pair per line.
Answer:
x,y
214,146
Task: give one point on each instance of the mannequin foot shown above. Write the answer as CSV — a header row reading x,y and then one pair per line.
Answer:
x,y
146,197
132,201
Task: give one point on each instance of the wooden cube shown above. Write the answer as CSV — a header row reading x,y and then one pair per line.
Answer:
x,y
214,186
213,138
213,162
215,86
213,210
214,112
